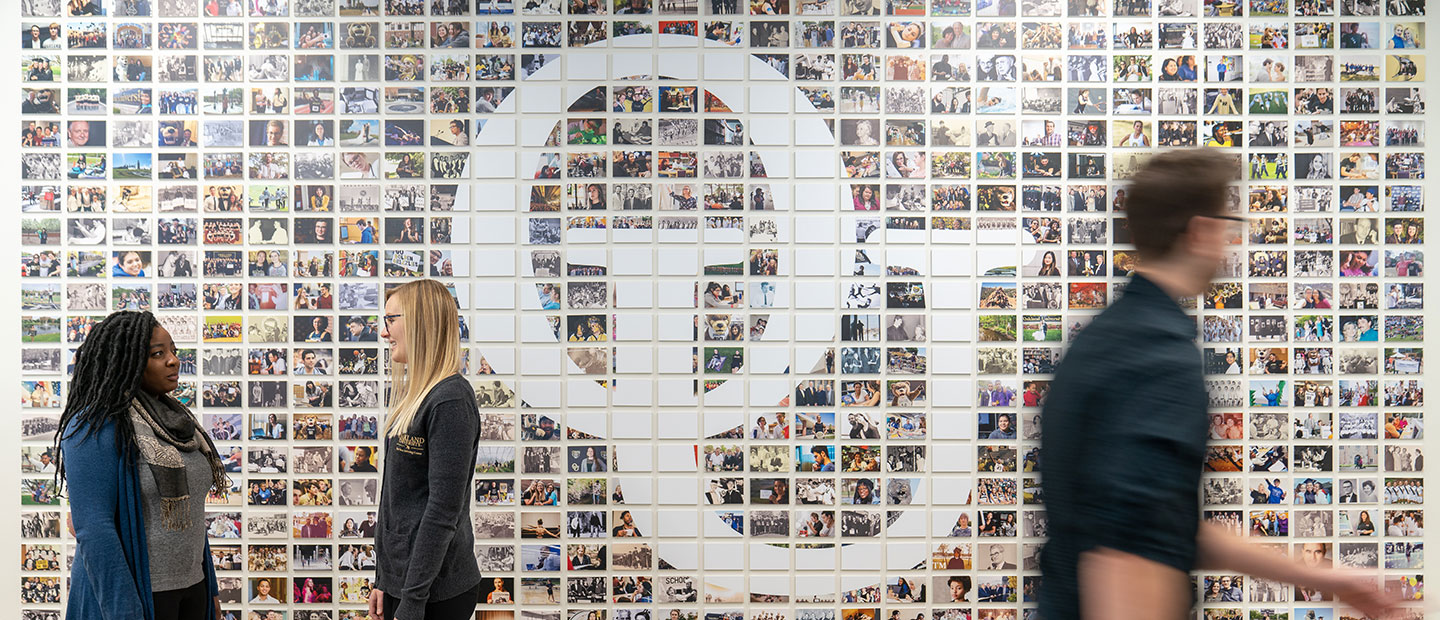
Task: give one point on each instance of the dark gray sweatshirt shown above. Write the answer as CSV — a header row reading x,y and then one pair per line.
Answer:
x,y
425,543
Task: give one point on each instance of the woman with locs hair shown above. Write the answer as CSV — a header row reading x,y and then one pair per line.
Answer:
x,y
138,468
426,568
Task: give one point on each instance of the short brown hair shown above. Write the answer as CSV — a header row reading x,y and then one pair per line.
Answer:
x,y
1171,188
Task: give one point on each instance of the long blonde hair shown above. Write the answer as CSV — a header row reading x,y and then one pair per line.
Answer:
x,y
432,344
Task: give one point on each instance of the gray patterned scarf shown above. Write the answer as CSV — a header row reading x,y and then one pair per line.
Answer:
x,y
172,430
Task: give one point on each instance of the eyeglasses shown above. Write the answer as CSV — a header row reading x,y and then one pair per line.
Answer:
x,y
390,318
1234,224
1228,218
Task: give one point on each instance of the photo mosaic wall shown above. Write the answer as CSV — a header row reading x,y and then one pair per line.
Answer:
x,y
760,299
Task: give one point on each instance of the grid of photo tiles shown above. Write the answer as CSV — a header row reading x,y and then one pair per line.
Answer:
x,y
760,299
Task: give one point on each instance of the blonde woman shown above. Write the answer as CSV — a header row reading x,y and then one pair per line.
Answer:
x,y
426,568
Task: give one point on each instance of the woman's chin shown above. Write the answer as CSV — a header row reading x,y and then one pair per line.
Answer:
x,y
168,387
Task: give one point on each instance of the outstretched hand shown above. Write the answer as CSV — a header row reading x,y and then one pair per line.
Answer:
x,y
1363,593
1222,550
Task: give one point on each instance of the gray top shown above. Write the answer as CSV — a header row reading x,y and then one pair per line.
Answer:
x,y
177,557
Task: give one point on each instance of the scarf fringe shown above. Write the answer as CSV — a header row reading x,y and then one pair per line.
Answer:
x,y
219,481
173,512
162,453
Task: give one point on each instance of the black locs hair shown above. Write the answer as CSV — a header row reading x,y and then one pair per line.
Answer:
x,y
108,368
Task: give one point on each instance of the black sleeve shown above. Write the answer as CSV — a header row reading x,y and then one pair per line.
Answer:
x,y
1143,480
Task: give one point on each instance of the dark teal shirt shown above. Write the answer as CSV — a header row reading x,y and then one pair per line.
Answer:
x,y
1123,442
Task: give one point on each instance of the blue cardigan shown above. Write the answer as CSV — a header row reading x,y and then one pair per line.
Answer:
x,y
110,575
